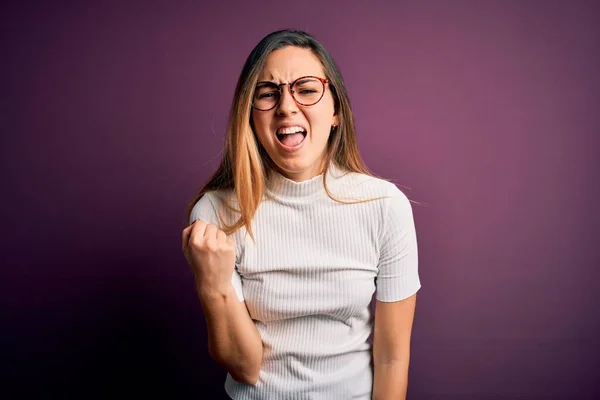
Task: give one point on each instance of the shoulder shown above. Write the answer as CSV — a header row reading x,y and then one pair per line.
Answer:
x,y
210,204
385,200
369,186
216,197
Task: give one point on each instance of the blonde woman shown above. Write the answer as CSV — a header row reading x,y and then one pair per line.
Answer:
x,y
292,237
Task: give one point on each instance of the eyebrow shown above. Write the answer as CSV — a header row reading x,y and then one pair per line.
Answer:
x,y
305,79
264,83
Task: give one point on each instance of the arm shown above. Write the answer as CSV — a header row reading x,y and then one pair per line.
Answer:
x,y
391,348
397,284
233,340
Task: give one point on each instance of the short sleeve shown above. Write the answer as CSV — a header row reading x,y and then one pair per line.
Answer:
x,y
206,211
398,275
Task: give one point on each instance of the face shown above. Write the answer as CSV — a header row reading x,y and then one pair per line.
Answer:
x,y
298,156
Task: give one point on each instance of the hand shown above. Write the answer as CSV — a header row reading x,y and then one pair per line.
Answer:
x,y
210,254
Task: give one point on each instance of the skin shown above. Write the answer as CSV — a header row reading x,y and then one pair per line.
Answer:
x,y
284,66
391,348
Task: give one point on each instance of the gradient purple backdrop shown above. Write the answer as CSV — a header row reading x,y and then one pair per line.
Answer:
x,y
485,112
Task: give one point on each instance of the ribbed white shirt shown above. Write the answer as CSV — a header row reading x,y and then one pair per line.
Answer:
x,y
310,277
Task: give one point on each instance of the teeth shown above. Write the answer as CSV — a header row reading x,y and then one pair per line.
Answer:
x,y
289,130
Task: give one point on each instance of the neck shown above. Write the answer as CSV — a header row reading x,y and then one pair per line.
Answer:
x,y
282,186
302,176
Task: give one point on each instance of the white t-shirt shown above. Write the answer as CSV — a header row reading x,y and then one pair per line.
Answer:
x,y
310,277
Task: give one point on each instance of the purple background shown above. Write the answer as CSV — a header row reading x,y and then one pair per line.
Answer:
x,y
486,112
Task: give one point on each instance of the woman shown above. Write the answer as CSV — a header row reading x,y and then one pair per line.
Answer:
x,y
292,236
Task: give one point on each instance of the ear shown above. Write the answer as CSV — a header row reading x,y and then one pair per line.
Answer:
x,y
336,120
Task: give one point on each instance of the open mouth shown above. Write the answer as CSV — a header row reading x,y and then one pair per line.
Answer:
x,y
291,138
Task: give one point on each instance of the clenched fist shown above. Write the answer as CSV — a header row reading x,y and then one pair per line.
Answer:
x,y
210,254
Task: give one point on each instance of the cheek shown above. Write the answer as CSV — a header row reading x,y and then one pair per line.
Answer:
x,y
257,119
260,124
322,120
324,115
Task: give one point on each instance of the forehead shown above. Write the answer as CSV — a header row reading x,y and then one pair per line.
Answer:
x,y
289,63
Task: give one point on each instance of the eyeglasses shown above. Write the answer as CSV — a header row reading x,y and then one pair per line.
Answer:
x,y
306,91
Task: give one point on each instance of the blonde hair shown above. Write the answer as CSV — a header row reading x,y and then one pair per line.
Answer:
x,y
245,166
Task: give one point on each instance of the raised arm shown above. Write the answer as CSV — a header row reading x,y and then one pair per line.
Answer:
x,y
233,340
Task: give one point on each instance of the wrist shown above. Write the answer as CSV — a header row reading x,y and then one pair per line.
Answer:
x,y
213,294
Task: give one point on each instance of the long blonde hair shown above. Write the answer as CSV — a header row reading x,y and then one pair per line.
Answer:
x,y
245,165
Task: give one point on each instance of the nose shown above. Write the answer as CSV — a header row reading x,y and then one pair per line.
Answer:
x,y
287,105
